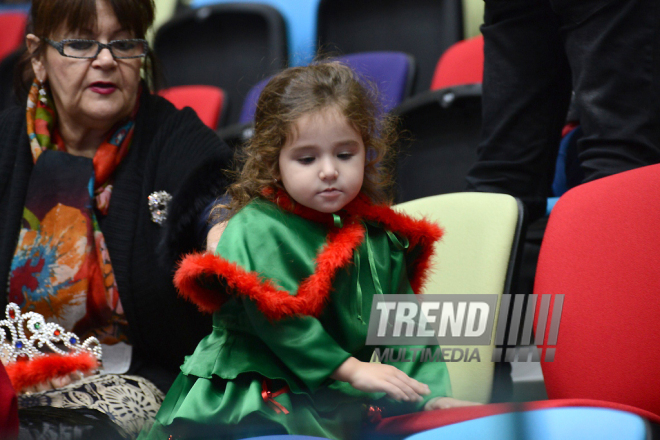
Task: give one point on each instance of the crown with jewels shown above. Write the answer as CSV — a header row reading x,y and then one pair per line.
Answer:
x,y
37,351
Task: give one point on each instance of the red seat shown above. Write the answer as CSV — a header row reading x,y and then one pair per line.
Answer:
x,y
12,31
462,63
207,101
600,251
8,407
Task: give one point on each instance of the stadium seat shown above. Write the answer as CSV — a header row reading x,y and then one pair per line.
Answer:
x,y
8,407
232,46
479,254
444,125
12,31
300,17
7,65
441,133
393,74
286,437
422,28
462,63
547,424
207,101
599,252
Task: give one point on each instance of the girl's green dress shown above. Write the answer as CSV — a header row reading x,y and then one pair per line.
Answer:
x,y
265,368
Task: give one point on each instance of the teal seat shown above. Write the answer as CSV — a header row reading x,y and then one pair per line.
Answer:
x,y
546,424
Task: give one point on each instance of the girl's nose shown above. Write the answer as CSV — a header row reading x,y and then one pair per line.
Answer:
x,y
328,172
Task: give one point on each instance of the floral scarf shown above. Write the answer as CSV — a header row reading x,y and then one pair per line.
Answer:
x,y
61,267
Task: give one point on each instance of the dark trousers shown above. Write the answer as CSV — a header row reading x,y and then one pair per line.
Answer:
x,y
536,52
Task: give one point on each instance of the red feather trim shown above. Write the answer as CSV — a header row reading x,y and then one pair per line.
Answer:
x,y
314,291
420,232
273,302
24,374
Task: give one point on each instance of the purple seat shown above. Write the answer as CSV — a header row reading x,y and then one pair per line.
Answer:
x,y
250,102
393,73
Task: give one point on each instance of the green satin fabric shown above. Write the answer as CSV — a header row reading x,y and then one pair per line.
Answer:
x,y
220,384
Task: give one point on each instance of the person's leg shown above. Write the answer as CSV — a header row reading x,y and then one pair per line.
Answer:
x,y
526,91
614,53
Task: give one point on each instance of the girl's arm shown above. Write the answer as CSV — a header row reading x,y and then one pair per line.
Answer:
x,y
300,343
374,378
213,238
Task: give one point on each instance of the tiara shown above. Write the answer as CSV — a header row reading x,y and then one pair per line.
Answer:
x,y
38,351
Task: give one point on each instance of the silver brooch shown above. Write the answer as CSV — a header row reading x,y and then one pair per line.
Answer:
x,y
158,203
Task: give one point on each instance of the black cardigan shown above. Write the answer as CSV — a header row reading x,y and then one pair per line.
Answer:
x,y
172,151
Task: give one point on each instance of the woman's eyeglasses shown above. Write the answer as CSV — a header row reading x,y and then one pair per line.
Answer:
x,y
89,49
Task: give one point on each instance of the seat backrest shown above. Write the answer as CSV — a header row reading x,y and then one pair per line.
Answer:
x,y
207,101
393,74
462,63
422,28
250,102
300,16
12,31
8,407
547,424
7,66
232,46
441,134
477,255
600,250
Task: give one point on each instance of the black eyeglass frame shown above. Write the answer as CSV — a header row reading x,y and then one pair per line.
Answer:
x,y
59,46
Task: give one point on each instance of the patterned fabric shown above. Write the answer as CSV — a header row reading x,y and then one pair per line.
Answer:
x,y
61,267
130,401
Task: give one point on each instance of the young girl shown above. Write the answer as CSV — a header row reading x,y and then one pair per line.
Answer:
x,y
309,243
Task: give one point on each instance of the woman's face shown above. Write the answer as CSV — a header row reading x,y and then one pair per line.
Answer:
x,y
95,93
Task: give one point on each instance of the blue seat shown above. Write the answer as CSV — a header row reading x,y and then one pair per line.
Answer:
x,y
581,423
286,437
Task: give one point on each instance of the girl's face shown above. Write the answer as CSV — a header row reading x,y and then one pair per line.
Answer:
x,y
322,162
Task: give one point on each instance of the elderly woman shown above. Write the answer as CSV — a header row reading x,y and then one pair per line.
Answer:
x,y
101,186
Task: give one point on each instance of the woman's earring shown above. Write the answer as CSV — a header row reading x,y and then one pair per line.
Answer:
x,y
42,93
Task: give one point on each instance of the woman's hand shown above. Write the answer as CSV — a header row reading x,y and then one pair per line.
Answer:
x,y
375,378
55,383
446,402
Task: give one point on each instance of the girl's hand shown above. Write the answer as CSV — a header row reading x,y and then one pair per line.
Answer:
x,y
375,378
446,402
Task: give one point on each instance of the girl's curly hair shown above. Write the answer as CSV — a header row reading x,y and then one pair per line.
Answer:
x,y
304,90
